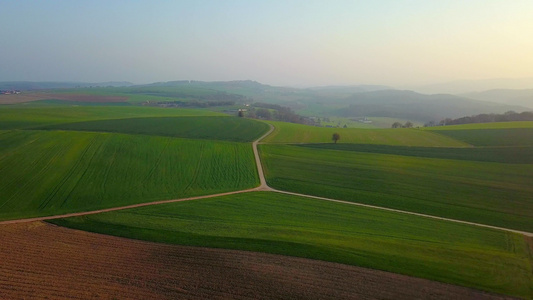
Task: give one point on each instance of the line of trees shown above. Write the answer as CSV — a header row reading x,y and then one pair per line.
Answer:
x,y
407,124
276,112
488,118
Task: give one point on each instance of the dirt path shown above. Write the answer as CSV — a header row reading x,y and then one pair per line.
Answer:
x,y
262,187
53,262
529,234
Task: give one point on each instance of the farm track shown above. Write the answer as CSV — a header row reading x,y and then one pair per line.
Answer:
x,y
262,187
52,262
47,261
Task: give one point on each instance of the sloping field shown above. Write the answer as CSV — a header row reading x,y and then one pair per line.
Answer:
x,y
492,137
510,155
301,134
212,127
461,254
492,125
21,98
489,193
26,116
50,172
51,262
29,97
88,98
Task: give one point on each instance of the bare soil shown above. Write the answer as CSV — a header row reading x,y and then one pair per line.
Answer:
x,y
28,97
21,98
88,98
39,260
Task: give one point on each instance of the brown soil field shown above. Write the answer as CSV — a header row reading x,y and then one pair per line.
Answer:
x,y
87,98
39,260
21,98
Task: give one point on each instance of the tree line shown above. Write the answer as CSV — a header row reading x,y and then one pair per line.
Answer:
x,y
487,118
276,112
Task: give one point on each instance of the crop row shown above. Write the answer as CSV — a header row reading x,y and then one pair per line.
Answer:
x,y
26,116
510,154
219,128
270,222
49,172
489,193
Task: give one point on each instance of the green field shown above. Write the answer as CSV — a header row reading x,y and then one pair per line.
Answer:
x,y
482,258
211,127
493,125
55,172
32,115
492,137
512,155
490,193
297,134
57,159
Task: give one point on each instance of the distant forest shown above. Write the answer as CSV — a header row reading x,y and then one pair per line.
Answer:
x,y
488,118
276,112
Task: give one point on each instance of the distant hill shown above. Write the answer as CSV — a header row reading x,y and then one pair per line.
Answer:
x,y
470,86
507,96
44,85
341,101
351,88
415,106
347,101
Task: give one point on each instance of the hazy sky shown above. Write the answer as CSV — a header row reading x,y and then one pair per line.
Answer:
x,y
273,42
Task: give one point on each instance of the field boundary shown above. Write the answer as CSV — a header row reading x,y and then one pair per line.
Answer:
x,y
263,186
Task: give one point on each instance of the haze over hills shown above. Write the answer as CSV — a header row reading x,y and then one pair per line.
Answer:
x,y
415,106
471,86
342,101
42,85
513,97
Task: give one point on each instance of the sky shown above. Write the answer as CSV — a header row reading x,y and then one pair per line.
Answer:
x,y
286,43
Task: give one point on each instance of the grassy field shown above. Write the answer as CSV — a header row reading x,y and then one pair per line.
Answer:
x,y
51,172
490,193
212,127
492,137
493,125
31,115
296,133
269,222
511,155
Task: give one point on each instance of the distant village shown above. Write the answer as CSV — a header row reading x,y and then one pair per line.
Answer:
x,y
9,92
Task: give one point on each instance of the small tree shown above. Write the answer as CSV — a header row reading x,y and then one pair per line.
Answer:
x,y
336,137
396,125
241,113
408,124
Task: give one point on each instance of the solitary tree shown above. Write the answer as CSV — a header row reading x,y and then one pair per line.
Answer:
x,y
336,137
396,125
408,124
241,113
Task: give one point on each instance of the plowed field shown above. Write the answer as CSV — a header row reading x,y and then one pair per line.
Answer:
x,y
21,98
39,260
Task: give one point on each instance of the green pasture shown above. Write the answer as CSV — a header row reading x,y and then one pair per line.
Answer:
x,y
212,127
484,192
492,137
492,125
30,115
54,172
481,258
385,122
138,94
298,134
513,155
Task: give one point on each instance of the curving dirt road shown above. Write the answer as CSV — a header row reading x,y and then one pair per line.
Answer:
x,y
262,187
